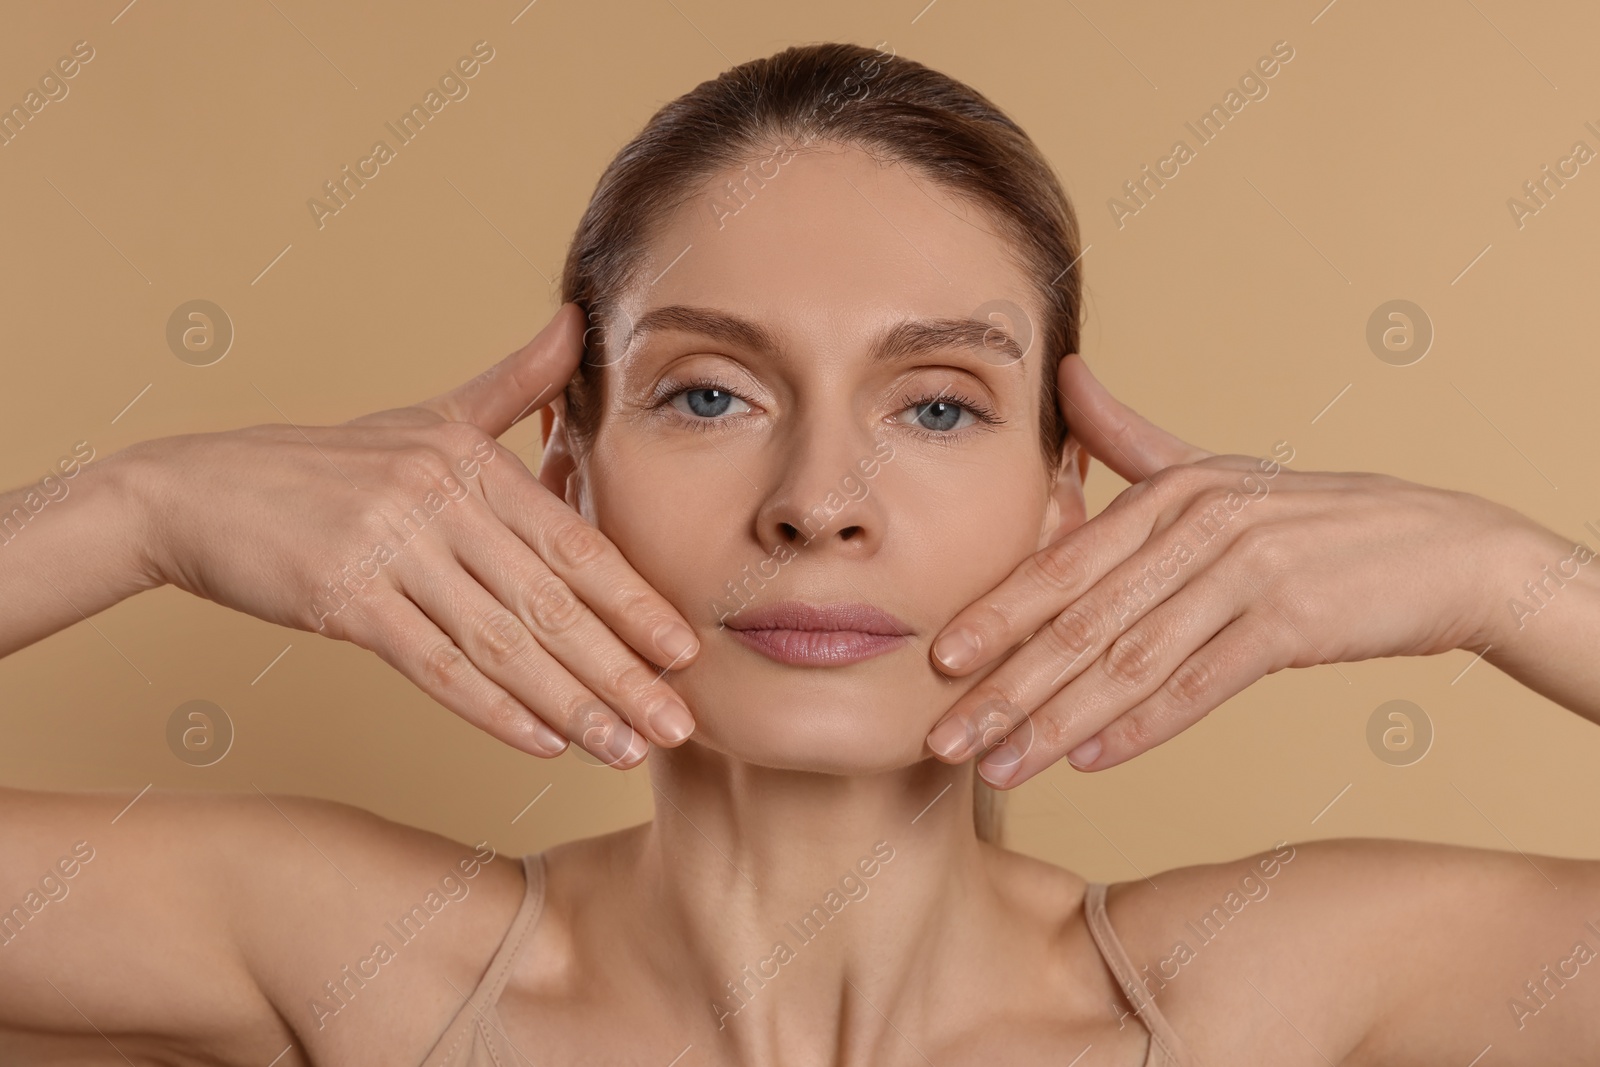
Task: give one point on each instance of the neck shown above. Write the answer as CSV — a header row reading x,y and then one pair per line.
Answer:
x,y
801,911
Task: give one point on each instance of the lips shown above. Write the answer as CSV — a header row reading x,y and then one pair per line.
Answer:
x,y
818,635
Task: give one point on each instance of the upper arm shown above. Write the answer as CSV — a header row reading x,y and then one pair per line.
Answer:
x,y
208,924
1474,948
118,921
1372,951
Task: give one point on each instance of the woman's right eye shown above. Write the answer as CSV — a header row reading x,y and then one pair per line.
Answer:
x,y
705,402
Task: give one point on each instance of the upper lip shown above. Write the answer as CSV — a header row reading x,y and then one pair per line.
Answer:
x,y
797,615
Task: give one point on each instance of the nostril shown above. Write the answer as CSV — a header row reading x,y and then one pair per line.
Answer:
x,y
789,530
849,532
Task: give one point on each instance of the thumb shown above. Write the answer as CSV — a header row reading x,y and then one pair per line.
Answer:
x,y
524,381
1110,431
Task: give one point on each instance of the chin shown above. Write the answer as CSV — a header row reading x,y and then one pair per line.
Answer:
x,y
865,718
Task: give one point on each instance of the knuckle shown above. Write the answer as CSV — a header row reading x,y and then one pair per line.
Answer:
x,y
1136,731
572,713
554,608
444,664
631,602
596,722
1132,659
636,683
1053,732
1209,510
1193,682
1133,494
575,544
502,637
505,716
994,718
1180,479
419,466
459,438
1074,630
1061,565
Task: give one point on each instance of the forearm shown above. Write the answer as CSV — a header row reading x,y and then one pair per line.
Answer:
x,y
1544,618
69,553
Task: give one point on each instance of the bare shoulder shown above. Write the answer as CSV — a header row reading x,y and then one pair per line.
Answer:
x,y
371,934
226,925
1351,950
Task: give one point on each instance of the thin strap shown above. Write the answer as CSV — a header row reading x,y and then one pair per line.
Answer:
x,y
1116,957
480,1006
494,980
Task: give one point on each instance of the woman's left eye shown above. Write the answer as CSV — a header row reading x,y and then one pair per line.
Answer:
x,y
941,416
706,402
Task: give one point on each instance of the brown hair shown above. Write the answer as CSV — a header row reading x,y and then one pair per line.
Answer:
x,y
846,95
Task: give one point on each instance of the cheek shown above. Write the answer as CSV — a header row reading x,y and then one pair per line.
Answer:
x,y
675,518
971,526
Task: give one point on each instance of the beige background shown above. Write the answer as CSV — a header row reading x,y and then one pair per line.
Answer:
x,y
1232,310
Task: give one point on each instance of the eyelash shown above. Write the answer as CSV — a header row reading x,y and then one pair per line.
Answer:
x,y
987,419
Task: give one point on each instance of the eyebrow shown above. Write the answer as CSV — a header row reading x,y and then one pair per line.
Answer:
x,y
905,340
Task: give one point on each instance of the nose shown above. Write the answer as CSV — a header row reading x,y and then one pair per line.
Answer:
x,y
824,498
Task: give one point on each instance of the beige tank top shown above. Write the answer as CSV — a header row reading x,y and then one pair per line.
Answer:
x,y
476,1038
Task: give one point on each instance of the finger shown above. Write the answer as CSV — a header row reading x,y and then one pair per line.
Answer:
x,y
1220,669
1037,589
1211,491
1064,570
498,644
1131,668
570,632
406,639
1131,445
592,567
522,382
1067,644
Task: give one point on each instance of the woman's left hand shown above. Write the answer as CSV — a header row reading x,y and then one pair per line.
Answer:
x,y
1208,573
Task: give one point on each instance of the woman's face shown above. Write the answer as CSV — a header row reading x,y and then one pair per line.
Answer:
x,y
779,432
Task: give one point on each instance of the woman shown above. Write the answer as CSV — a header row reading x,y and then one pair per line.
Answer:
x,y
798,422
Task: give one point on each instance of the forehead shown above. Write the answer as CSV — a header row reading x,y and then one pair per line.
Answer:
x,y
831,245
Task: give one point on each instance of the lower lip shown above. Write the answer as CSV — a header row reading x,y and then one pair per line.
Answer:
x,y
818,648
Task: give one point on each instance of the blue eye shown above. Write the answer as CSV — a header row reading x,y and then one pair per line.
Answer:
x,y
938,415
705,402
945,414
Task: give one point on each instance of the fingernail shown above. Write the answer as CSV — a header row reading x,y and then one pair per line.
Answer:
x,y
957,648
626,746
1085,753
674,641
670,719
547,739
1000,765
951,739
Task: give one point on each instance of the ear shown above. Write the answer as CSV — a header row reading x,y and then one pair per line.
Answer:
x,y
556,463
1066,510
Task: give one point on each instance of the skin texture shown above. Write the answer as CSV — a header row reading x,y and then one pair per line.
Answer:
x,y
203,925
411,533
693,504
1212,571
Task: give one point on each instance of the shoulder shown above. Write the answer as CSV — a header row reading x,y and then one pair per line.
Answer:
x,y
220,922
1332,945
363,932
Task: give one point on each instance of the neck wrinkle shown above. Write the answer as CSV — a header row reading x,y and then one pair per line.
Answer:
x,y
811,907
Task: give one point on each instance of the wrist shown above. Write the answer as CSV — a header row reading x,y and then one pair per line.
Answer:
x,y
1524,575
129,480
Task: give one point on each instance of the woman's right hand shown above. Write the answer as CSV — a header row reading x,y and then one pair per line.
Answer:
x,y
415,534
